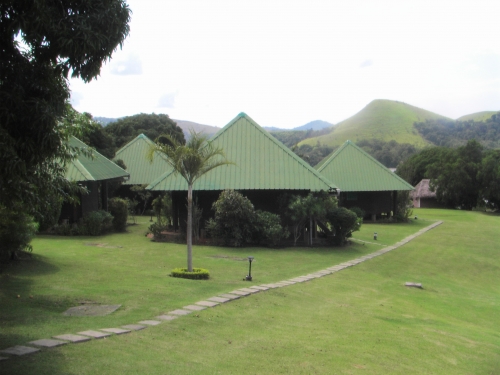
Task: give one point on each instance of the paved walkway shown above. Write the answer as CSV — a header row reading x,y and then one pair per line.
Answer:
x,y
37,345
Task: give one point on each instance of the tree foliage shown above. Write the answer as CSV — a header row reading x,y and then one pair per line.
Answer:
x,y
456,174
450,133
152,125
489,178
300,209
390,153
41,43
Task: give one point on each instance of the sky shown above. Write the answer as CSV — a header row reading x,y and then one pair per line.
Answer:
x,y
286,63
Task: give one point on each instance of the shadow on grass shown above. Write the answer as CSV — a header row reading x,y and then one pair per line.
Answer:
x,y
20,307
44,362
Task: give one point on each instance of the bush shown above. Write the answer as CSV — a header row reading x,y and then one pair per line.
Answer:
x,y
118,208
268,228
95,223
344,222
404,206
234,219
16,232
197,274
360,213
156,229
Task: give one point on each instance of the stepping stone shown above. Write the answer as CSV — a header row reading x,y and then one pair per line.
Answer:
x,y
91,310
259,287
73,338
134,327
48,343
218,299
166,317
230,296
194,307
94,334
240,293
150,322
272,286
249,290
19,350
116,331
180,312
3,358
207,303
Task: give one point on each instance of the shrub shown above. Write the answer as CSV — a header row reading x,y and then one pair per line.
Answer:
x,y
344,222
197,274
16,232
268,228
358,211
404,206
118,208
96,222
234,219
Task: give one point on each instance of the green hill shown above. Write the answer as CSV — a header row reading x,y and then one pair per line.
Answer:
x,y
478,116
381,119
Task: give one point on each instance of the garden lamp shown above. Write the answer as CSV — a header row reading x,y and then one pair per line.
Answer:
x,y
249,276
375,235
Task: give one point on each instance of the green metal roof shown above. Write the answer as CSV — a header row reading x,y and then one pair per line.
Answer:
x,y
261,162
141,170
353,169
96,168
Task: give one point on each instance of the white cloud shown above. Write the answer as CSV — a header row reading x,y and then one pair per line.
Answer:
x,y
130,66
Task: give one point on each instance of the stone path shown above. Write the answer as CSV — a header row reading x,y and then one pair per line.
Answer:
x,y
37,345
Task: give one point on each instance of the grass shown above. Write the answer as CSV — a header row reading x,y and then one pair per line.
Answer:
x,y
360,320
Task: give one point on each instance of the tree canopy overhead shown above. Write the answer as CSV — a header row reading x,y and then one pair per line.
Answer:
x,y
42,42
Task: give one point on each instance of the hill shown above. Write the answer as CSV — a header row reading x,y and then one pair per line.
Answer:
x,y
478,116
186,126
315,125
381,119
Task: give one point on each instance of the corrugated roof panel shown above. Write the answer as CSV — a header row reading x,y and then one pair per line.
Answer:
x,y
261,162
353,169
141,170
96,168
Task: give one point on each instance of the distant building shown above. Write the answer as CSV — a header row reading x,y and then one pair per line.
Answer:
x,y
423,197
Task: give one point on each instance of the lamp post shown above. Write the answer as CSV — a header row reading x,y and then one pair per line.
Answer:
x,y
249,276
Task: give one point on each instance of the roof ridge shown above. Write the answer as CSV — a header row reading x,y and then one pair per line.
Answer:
x,y
140,136
280,144
380,165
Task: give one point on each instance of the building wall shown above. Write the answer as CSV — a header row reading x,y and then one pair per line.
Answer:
x,y
372,202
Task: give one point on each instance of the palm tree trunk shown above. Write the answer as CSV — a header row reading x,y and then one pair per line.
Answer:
x,y
190,229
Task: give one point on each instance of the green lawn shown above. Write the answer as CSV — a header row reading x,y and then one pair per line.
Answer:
x,y
360,320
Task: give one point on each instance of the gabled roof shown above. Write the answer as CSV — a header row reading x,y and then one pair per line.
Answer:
x,y
423,190
96,168
261,162
353,169
141,170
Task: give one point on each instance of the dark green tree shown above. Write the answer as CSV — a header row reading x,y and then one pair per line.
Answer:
x,y
151,125
489,178
42,42
455,176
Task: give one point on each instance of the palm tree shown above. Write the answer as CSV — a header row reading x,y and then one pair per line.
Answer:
x,y
191,161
